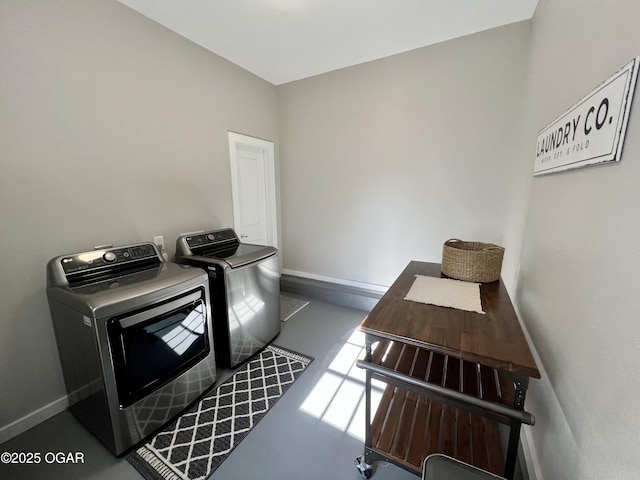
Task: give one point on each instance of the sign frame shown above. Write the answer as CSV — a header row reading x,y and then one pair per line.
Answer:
x,y
593,130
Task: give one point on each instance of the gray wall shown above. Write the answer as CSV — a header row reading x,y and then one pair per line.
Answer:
x,y
383,162
579,271
113,130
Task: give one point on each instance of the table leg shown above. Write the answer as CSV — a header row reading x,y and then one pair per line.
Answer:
x,y
367,386
521,383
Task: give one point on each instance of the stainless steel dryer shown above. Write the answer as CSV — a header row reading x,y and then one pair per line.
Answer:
x,y
134,337
245,291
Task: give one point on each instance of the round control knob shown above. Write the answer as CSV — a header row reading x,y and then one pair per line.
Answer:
x,y
109,257
211,237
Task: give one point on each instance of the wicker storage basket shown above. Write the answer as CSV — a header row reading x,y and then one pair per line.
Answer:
x,y
472,261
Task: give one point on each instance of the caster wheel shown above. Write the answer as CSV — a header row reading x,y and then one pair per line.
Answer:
x,y
363,467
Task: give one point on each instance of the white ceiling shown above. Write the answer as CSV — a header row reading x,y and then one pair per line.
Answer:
x,y
286,40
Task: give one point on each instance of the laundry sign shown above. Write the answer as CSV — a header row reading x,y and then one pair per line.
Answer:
x,y
592,131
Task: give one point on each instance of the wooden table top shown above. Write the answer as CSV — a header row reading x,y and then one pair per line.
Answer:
x,y
494,339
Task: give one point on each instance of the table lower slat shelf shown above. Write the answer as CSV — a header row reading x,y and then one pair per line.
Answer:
x,y
407,428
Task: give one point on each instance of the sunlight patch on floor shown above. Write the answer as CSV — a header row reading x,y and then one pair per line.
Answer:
x,y
338,399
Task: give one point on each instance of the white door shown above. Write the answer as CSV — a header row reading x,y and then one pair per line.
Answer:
x,y
253,189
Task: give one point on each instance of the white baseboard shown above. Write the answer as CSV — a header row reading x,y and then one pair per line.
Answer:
x,y
531,468
32,419
339,281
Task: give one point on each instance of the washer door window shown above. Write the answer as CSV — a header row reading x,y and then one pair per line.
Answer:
x,y
155,345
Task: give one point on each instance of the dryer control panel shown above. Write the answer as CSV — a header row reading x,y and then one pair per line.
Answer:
x,y
98,259
101,263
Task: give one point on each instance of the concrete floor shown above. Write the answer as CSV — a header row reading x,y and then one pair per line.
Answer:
x,y
315,431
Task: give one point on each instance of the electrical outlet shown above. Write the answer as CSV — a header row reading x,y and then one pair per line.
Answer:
x,y
159,241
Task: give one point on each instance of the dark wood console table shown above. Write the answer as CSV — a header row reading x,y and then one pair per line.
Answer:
x,y
452,376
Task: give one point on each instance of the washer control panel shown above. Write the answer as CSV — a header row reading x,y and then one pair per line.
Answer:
x,y
97,259
211,238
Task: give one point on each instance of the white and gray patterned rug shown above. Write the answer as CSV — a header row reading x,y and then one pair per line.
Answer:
x,y
195,445
290,306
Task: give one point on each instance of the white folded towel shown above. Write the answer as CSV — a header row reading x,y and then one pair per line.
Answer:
x,y
445,292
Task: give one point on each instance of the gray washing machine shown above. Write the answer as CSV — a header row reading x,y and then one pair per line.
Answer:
x,y
245,291
134,336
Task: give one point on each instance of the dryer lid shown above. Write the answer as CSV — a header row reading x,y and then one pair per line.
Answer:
x,y
128,291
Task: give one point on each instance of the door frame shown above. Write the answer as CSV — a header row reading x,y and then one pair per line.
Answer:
x,y
267,147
